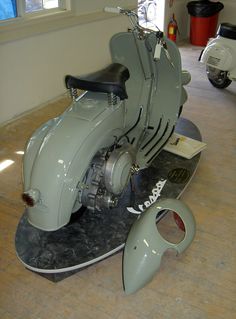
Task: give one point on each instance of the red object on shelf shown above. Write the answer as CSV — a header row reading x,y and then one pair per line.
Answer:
x,y
201,29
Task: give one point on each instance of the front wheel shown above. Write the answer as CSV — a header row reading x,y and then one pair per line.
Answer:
x,y
218,78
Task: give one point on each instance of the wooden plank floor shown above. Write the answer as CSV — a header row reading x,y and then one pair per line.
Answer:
x,y
199,284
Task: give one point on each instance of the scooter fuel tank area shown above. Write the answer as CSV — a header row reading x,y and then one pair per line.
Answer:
x,y
90,106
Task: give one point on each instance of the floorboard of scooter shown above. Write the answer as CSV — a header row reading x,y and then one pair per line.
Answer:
x,y
94,236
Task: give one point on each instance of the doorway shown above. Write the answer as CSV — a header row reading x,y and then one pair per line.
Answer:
x,y
151,13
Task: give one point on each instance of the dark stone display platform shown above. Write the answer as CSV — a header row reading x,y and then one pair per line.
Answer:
x,y
93,236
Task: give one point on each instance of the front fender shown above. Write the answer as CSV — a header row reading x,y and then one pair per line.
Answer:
x,y
64,156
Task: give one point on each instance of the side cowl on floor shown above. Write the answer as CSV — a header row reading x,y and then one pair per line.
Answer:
x,y
145,246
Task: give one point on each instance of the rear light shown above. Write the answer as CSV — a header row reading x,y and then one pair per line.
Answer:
x,y
31,197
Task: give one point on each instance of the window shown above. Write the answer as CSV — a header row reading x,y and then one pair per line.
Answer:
x,y
10,9
7,9
39,5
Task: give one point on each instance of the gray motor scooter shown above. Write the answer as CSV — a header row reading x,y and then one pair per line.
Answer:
x,y
116,127
87,156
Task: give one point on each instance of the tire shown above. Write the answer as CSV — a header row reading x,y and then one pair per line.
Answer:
x,y
218,78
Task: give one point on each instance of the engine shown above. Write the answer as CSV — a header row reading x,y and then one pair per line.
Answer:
x,y
107,177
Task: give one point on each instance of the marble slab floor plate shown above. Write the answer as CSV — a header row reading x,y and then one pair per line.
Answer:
x,y
93,236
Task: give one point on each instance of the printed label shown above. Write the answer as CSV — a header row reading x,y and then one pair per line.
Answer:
x,y
156,193
179,175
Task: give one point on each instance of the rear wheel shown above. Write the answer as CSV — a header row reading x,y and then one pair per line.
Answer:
x,y
218,78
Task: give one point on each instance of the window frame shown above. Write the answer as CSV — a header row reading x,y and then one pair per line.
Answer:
x,y
64,6
30,24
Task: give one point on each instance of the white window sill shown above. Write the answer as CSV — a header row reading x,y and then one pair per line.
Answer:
x,y
18,28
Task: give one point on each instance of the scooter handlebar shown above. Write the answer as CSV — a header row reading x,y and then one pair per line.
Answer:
x,y
116,10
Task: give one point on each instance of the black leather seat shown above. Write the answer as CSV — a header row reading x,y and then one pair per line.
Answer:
x,y
109,80
227,30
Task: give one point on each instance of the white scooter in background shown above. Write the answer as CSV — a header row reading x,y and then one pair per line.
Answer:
x,y
220,56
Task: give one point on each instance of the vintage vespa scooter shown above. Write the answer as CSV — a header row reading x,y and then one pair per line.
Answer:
x,y
220,57
118,126
87,156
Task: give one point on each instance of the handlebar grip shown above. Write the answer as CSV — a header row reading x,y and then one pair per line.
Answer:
x,y
112,10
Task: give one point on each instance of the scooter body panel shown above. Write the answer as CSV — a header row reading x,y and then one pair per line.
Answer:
x,y
165,102
64,155
148,86
220,54
32,148
145,246
140,82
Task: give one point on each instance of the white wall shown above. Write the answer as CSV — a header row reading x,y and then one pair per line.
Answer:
x,y
88,6
228,14
33,69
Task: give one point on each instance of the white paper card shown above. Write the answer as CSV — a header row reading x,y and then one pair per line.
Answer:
x,y
184,146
